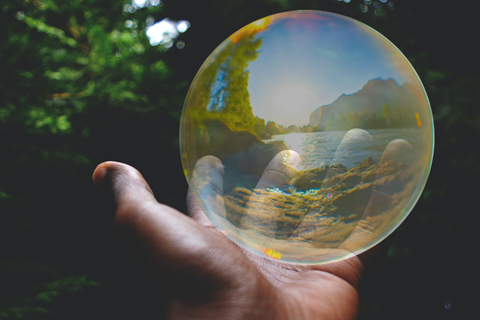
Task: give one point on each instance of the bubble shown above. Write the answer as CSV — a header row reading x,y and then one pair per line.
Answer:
x,y
149,20
306,137
448,305
20,15
378,12
180,44
363,8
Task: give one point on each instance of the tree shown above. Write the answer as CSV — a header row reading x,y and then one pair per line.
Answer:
x,y
332,123
272,128
260,127
78,87
222,91
386,114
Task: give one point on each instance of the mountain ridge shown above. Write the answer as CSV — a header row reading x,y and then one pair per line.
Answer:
x,y
369,101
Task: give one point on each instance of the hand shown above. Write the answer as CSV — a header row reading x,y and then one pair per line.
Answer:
x,y
210,277
316,215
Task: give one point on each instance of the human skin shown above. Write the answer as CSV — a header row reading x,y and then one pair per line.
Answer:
x,y
210,277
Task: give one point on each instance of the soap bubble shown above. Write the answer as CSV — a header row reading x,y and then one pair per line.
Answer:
x,y
306,137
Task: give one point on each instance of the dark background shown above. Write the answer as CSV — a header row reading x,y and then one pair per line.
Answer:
x,y
78,88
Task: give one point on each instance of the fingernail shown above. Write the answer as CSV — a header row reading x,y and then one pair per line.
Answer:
x,y
99,175
106,211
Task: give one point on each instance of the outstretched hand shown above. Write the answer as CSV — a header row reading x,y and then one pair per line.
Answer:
x,y
210,277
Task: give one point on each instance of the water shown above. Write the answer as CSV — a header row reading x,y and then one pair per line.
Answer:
x,y
263,197
317,149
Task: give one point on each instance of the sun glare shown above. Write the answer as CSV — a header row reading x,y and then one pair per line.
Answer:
x,y
295,104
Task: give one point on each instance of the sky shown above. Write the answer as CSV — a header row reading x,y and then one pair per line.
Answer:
x,y
305,63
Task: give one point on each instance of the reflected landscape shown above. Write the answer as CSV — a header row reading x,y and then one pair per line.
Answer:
x,y
306,137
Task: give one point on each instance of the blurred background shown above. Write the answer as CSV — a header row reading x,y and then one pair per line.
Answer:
x,y
84,81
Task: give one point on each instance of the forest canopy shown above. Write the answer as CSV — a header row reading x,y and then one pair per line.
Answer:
x,y
83,82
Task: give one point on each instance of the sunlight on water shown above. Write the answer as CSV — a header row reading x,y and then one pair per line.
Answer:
x,y
307,137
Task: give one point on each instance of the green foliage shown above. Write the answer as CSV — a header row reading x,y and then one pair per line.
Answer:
x,y
370,120
78,87
27,300
228,99
76,83
259,127
272,128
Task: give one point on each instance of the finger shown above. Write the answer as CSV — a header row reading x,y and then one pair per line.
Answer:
x,y
130,184
179,252
321,225
281,169
394,160
267,204
206,188
397,150
353,141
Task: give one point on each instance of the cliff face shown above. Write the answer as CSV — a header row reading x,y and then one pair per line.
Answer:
x,y
370,99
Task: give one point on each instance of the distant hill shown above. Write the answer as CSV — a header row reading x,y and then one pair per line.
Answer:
x,y
380,103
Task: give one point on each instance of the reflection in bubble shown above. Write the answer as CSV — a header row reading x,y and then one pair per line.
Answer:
x,y
307,137
273,254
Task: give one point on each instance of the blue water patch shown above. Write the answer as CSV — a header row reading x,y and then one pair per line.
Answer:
x,y
318,149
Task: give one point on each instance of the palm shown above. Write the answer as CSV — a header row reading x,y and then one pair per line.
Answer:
x,y
313,291
210,277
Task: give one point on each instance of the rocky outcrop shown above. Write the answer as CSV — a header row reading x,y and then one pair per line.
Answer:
x,y
243,155
319,204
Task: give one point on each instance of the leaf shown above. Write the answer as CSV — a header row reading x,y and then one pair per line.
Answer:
x,y
52,31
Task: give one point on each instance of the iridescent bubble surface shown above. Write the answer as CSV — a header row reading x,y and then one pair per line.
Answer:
x,y
306,137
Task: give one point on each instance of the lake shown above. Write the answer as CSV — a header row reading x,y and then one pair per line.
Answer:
x,y
318,149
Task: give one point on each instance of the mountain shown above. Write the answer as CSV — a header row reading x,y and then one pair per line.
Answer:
x,y
381,102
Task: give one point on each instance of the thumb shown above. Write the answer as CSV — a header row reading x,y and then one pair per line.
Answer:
x,y
122,184
180,253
